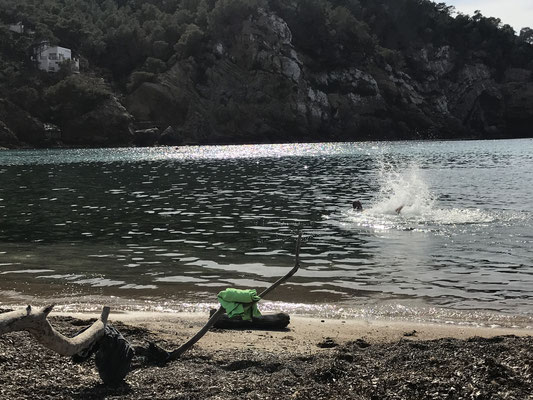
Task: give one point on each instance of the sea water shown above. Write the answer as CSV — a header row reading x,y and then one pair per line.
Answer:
x,y
167,228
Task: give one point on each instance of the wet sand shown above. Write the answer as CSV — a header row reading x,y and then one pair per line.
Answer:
x,y
313,359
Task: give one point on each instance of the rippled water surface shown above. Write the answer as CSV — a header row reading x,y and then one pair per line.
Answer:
x,y
160,227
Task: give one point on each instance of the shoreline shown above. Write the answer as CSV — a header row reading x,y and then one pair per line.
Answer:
x,y
313,359
388,311
302,335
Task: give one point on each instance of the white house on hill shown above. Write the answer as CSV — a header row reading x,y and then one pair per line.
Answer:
x,y
17,28
49,58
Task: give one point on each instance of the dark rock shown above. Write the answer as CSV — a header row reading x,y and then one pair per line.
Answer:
x,y
518,108
107,125
327,343
517,75
361,343
26,128
52,132
146,137
7,137
170,137
165,103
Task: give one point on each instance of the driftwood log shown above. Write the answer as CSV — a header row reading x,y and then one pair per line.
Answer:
x,y
36,323
270,322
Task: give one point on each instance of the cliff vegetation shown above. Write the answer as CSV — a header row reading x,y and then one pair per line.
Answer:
x,y
255,71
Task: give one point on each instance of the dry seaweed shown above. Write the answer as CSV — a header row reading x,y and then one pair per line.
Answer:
x,y
496,368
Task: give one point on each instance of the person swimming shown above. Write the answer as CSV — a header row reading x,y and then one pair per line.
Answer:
x,y
358,206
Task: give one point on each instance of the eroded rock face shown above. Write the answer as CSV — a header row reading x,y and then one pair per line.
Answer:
x,y
146,137
7,138
106,125
258,87
518,110
170,137
162,102
20,123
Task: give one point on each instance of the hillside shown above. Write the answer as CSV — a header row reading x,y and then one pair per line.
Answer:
x,y
254,71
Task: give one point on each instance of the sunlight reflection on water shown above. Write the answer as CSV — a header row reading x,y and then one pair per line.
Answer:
x,y
182,223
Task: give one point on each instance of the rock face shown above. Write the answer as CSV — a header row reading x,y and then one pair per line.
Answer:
x,y
257,83
258,87
7,138
20,123
109,124
146,137
518,107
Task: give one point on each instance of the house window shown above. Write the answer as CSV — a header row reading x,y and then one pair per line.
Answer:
x,y
52,56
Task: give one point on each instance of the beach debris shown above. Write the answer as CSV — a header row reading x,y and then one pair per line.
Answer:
x,y
410,333
327,343
271,322
388,370
113,356
154,349
36,323
114,353
361,343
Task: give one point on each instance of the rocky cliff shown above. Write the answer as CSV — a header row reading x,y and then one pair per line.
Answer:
x,y
260,88
258,83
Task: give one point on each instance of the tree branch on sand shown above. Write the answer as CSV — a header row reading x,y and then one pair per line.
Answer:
x,y
36,323
113,352
158,354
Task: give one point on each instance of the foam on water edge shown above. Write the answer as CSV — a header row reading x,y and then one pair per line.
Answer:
x,y
385,310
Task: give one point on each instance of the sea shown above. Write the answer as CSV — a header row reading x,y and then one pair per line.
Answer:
x,y
166,228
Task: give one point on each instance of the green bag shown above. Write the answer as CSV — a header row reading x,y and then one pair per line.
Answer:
x,y
238,302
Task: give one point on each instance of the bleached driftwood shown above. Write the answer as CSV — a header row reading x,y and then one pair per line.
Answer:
x,y
36,323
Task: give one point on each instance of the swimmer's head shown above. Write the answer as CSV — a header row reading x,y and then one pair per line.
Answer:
x,y
357,205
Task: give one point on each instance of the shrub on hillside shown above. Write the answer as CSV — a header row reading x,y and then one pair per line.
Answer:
x,y
76,95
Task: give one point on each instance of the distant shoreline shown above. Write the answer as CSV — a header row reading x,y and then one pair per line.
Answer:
x,y
74,147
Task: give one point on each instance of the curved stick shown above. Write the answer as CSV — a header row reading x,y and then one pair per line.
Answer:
x,y
216,316
290,273
36,323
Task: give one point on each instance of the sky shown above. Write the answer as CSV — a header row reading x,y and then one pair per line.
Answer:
x,y
517,13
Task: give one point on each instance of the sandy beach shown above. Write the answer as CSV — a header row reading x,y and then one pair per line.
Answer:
x,y
313,359
303,333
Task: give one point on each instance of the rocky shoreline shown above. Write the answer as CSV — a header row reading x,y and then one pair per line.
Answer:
x,y
495,367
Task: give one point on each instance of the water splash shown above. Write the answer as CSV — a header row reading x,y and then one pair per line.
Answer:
x,y
405,201
404,192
